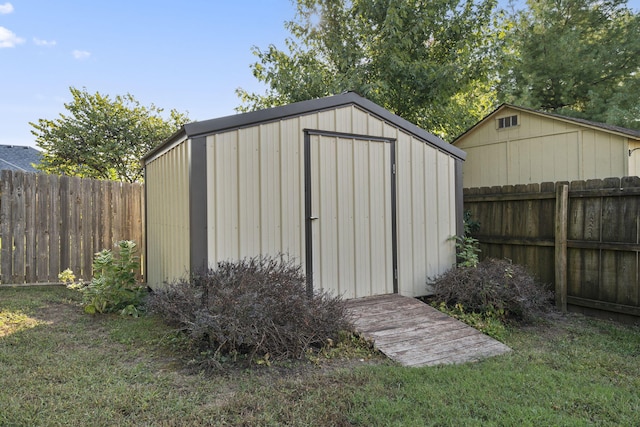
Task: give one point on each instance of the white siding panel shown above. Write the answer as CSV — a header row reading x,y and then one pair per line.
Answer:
x,y
426,214
446,212
255,178
212,202
168,223
418,208
291,195
270,189
360,122
634,158
430,185
351,188
405,189
325,202
362,211
249,192
346,247
226,193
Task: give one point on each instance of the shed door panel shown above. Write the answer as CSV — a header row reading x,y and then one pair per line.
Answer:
x,y
351,218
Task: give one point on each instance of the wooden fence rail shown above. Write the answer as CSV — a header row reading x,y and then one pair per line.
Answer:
x,y
582,237
50,223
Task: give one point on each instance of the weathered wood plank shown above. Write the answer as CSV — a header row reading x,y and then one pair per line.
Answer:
x,y
415,334
562,205
601,305
515,241
6,229
18,222
509,197
87,206
96,200
30,227
65,238
50,223
42,228
75,242
55,222
116,208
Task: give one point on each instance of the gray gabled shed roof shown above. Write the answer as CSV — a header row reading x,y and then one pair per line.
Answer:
x,y
19,158
208,127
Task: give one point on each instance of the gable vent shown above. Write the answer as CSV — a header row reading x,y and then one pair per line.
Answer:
x,y
507,122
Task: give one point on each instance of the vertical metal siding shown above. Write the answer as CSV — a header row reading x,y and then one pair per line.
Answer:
x,y
426,214
167,207
255,181
351,197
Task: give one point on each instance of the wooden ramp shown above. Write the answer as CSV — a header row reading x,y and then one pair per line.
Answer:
x,y
413,333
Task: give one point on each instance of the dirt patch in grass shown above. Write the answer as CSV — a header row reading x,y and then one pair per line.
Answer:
x,y
58,313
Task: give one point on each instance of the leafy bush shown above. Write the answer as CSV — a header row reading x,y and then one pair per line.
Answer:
x,y
490,322
113,287
258,307
494,286
468,247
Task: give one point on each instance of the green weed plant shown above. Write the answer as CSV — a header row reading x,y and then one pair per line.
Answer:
x,y
114,287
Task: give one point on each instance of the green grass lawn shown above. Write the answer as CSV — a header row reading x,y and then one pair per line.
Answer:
x,y
59,366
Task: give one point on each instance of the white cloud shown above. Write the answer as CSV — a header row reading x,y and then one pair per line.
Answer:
x,y
8,38
46,43
6,8
81,54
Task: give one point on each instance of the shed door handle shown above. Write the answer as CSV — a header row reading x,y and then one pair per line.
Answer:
x,y
313,217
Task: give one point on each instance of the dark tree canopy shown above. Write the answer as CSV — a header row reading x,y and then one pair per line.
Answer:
x,y
102,138
427,62
574,57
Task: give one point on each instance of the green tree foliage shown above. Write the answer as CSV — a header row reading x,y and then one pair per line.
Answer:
x,y
427,62
102,138
574,57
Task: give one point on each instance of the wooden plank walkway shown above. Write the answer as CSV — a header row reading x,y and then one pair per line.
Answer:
x,y
413,333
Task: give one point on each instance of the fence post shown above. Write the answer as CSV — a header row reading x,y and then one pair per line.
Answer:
x,y
562,204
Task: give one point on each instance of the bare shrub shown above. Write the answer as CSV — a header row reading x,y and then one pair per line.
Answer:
x,y
257,307
494,286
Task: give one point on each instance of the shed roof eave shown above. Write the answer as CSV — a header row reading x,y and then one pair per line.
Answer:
x,y
177,137
208,127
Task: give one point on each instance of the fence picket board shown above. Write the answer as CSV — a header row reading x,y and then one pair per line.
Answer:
x,y
30,225
18,227
6,228
603,227
64,209
50,223
116,213
55,224
75,253
107,241
42,228
576,231
96,196
87,205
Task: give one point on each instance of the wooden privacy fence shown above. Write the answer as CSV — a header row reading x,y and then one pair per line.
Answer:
x,y
50,223
582,237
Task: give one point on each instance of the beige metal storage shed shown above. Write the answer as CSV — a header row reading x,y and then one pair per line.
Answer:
x,y
366,201
517,145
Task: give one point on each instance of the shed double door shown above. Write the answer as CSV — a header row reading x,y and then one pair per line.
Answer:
x,y
350,201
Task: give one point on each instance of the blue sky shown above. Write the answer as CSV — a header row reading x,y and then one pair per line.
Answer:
x,y
189,55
